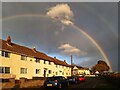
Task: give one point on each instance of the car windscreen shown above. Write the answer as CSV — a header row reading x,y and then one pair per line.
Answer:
x,y
51,78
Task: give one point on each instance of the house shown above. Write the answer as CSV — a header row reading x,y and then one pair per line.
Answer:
x,y
78,70
22,62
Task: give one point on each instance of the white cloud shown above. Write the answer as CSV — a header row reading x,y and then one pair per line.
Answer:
x,y
61,12
68,49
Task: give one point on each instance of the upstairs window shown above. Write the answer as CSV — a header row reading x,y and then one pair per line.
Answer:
x,y
49,63
5,54
23,57
37,60
58,66
5,70
44,62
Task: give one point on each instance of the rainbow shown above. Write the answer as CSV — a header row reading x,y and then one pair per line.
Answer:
x,y
77,28
96,44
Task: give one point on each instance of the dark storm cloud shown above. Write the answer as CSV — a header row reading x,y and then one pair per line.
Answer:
x,y
97,19
16,8
38,34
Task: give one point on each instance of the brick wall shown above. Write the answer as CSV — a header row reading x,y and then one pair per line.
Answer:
x,y
31,83
22,83
8,83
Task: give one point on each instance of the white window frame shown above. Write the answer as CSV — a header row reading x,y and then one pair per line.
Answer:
x,y
37,71
23,57
5,70
37,60
23,70
5,54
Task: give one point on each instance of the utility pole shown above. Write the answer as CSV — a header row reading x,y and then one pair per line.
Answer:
x,y
71,59
71,65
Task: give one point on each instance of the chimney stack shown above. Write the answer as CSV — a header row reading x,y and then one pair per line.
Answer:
x,y
34,49
9,40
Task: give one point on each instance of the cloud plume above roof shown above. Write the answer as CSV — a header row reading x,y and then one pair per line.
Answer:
x,y
68,49
61,12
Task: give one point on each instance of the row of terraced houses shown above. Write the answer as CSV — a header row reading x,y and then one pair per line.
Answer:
x,y
20,61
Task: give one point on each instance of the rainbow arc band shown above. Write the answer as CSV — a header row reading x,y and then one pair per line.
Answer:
x,y
96,44
77,28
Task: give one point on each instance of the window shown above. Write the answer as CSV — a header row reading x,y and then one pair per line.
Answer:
x,y
44,62
4,69
56,66
49,63
63,73
1,69
37,71
5,54
49,71
37,60
7,69
56,73
23,70
23,57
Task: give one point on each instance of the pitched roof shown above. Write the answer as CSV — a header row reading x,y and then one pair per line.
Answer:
x,y
79,67
22,50
61,62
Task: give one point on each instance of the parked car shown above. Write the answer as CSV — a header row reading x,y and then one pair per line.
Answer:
x,y
81,78
56,81
73,79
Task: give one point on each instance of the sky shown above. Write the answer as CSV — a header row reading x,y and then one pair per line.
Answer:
x,y
51,28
